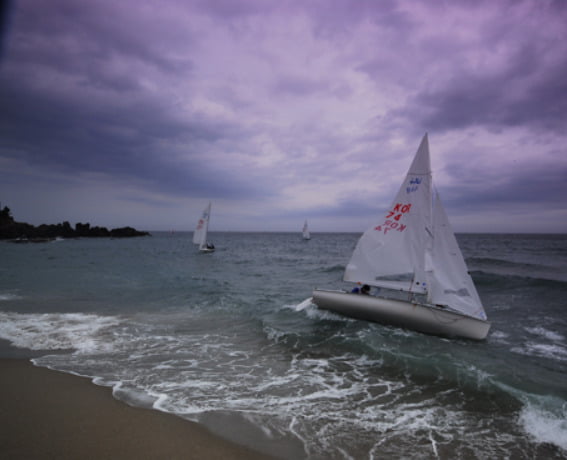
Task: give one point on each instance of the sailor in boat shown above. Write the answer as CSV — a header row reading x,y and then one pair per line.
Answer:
x,y
210,245
365,290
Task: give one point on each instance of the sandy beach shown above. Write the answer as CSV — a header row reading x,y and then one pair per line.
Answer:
x,y
49,414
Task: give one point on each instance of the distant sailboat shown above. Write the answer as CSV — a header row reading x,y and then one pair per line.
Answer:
x,y
306,234
413,250
200,234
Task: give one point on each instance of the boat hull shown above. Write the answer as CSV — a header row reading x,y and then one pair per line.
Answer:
x,y
423,318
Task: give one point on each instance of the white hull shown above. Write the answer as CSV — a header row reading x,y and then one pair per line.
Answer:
x,y
423,318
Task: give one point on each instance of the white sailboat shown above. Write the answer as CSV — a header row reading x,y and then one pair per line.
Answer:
x,y
306,234
413,250
200,233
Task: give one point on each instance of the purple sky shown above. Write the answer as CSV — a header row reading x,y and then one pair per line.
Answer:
x,y
138,112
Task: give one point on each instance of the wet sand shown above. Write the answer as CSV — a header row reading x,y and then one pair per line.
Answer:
x,y
49,414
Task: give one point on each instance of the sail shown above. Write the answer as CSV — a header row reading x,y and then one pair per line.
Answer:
x,y
391,253
306,234
200,233
414,249
450,284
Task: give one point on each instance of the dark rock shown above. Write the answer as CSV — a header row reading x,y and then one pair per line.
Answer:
x,y
125,232
22,232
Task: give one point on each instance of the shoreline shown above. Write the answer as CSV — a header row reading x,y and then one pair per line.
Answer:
x,y
51,414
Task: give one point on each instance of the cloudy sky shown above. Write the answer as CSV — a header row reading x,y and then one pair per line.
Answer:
x,y
138,112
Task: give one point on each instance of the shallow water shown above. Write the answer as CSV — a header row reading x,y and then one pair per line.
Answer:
x,y
231,339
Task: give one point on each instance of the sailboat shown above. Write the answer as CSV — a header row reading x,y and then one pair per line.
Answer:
x,y
306,234
200,233
412,250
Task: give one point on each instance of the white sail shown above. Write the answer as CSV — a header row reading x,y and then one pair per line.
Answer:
x,y
449,281
391,253
414,249
200,233
306,234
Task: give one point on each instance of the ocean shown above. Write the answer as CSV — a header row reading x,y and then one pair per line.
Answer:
x,y
232,341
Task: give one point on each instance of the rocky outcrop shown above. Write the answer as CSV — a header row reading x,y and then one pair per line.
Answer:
x,y
12,230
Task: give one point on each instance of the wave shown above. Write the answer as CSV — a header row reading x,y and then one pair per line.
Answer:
x,y
517,269
9,296
334,269
543,343
339,377
538,350
56,331
545,420
542,417
503,280
301,305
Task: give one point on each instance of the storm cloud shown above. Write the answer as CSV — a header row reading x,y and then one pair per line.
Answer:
x,y
138,113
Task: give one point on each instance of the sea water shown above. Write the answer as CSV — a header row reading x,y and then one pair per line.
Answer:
x,y
232,340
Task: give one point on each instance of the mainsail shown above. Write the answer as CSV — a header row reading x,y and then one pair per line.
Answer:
x,y
413,248
391,253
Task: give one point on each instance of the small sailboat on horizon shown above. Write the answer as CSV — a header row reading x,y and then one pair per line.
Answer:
x,y
412,250
200,233
305,233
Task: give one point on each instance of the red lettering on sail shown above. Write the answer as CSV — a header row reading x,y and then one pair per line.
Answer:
x,y
390,225
396,214
399,208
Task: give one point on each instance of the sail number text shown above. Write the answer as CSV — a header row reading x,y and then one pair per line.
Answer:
x,y
393,217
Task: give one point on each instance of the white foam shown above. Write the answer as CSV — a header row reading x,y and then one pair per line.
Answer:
x,y
56,331
301,305
433,445
8,296
132,396
276,382
275,334
499,336
319,313
546,425
543,332
313,312
550,351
